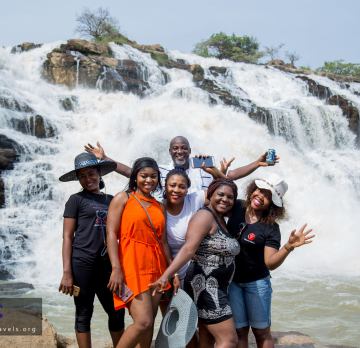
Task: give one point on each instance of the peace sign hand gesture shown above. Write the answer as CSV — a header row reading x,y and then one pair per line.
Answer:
x,y
300,238
224,165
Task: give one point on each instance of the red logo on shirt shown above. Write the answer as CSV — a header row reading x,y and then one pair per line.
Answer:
x,y
251,236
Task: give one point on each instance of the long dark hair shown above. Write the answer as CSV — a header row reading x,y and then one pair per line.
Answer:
x,y
178,170
140,163
273,214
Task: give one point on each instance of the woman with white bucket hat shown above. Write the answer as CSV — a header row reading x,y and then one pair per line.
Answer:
x,y
254,223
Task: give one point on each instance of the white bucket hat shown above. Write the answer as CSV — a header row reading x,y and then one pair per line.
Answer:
x,y
276,185
179,323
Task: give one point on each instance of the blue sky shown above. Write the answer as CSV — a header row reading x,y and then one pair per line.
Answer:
x,y
319,30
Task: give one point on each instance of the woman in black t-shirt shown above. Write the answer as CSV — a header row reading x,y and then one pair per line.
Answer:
x,y
85,260
253,223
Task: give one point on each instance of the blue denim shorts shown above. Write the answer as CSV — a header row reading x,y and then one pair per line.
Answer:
x,y
251,303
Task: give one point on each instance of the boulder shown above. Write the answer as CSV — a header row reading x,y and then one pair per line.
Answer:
x,y
39,128
46,340
27,46
68,103
149,48
8,153
215,70
12,104
106,73
308,72
5,274
276,63
87,47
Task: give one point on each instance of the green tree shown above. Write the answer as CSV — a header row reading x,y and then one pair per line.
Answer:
x,y
293,57
340,68
235,48
97,24
273,51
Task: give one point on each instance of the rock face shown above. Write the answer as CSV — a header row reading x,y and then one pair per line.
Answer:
x,y
34,125
8,156
92,68
26,46
350,112
12,104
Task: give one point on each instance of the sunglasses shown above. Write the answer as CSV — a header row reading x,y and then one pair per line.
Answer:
x,y
241,228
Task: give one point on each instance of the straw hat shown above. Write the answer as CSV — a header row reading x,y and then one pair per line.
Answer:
x,y
179,322
276,185
88,160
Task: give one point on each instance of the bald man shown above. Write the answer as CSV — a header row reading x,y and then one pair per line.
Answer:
x,y
180,151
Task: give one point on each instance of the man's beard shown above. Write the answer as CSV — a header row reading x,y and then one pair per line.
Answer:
x,y
180,163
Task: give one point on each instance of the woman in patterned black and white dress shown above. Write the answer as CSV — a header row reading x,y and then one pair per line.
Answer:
x,y
212,252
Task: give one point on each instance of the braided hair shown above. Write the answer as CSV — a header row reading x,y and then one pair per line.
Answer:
x,y
215,184
178,170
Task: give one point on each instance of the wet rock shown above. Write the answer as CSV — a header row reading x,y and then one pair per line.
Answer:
x,y
315,88
149,48
16,286
12,104
217,70
39,128
46,340
87,47
107,73
68,103
26,46
8,153
349,111
182,61
2,202
198,72
5,274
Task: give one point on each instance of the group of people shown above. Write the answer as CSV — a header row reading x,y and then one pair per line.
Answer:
x,y
174,227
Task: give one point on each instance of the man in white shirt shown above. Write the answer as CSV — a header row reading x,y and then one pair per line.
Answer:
x,y
180,151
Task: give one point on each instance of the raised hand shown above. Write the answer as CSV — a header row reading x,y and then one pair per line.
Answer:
x,y
159,285
98,152
262,160
300,238
224,165
216,173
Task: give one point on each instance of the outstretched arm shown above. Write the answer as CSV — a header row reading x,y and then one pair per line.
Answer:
x,y
241,172
116,209
274,258
199,226
99,152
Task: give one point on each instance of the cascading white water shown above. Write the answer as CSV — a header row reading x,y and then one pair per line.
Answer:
x,y
318,160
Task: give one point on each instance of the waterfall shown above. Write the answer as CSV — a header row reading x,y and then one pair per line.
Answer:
x,y
318,157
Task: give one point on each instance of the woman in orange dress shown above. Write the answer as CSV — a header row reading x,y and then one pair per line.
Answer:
x,y
139,258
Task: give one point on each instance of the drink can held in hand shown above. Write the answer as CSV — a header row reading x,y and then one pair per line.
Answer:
x,y
270,157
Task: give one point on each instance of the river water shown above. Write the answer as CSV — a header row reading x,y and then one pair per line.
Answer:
x,y
316,290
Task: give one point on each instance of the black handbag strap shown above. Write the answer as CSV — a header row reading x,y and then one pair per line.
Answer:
x,y
152,225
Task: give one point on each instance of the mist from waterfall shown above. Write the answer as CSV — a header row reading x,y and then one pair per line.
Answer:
x,y
318,157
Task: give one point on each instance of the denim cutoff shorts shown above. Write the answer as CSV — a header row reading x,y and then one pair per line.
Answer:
x,y
251,303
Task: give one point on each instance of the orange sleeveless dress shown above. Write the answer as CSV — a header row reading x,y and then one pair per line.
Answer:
x,y
141,259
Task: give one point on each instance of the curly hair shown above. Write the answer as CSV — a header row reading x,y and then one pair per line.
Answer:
x,y
272,215
215,184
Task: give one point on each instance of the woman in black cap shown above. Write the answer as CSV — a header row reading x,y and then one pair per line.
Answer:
x,y
85,259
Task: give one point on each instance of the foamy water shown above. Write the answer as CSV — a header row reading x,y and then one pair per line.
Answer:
x,y
316,290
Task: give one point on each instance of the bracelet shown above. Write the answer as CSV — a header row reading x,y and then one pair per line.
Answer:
x,y
288,249
176,275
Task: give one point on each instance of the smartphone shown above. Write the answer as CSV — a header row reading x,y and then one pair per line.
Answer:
x,y
125,293
76,290
197,161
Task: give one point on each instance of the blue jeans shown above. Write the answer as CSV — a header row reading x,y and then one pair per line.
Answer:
x,y
251,303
